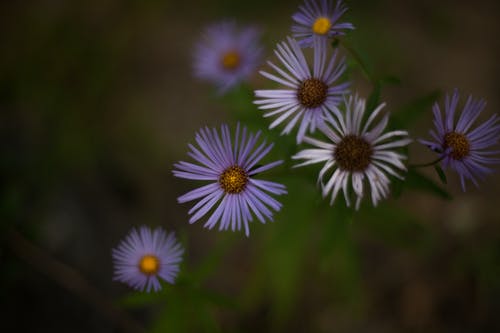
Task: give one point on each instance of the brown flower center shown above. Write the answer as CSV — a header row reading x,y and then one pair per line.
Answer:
x,y
231,60
460,146
312,93
353,153
233,179
149,264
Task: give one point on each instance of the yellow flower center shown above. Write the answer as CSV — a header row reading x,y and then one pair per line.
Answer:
x,y
233,179
322,25
458,143
149,264
231,60
353,153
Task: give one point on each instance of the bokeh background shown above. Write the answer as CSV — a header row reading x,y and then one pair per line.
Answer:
x,y
97,101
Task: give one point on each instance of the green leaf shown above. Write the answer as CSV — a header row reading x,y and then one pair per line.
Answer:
x,y
440,173
173,316
213,258
390,80
397,187
404,231
418,181
359,60
340,261
239,104
138,299
408,114
278,275
374,98
215,298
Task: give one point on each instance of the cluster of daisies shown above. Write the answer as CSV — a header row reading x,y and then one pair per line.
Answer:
x,y
357,153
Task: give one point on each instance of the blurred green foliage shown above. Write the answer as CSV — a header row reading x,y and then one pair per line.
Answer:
x,y
81,84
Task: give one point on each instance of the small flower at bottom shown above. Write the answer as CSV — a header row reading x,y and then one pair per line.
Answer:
x,y
319,19
356,152
227,55
145,256
460,146
233,194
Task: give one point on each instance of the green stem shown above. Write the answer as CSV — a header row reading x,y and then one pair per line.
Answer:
x,y
359,60
423,165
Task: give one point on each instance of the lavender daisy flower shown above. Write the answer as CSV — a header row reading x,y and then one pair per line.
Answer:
x,y
318,19
309,94
233,193
356,153
460,146
145,256
227,55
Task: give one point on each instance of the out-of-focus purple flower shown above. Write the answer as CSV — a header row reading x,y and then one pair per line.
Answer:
x,y
319,19
357,153
230,166
309,94
227,55
463,148
145,256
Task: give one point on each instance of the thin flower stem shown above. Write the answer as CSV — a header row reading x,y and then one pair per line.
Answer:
x,y
72,280
359,60
423,165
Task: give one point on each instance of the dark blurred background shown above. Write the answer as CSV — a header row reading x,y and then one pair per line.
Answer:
x,y
97,101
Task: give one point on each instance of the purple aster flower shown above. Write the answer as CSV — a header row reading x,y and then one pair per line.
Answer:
x,y
145,256
319,19
357,153
460,146
309,94
233,193
227,55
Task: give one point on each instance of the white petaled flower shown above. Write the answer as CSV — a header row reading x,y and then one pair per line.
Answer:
x,y
358,153
308,94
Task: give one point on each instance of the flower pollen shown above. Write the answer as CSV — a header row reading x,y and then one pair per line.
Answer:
x,y
460,146
353,153
312,93
149,264
233,180
321,25
231,60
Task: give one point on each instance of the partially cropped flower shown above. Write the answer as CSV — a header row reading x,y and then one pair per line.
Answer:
x,y
145,256
319,19
227,55
230,166
461,147
308,95
356,153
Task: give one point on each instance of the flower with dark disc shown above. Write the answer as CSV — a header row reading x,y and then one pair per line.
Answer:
x,y
356,153
233,195
461,147
353,153
309,95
